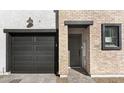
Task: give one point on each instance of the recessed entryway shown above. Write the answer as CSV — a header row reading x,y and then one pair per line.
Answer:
x,y
78,47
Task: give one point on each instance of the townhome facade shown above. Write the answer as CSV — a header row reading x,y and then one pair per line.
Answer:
x,y
55,41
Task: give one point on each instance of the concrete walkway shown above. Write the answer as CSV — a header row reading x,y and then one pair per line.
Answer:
x,y
75,76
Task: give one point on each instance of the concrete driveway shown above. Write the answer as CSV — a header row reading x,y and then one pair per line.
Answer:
x,y
75,76
28,78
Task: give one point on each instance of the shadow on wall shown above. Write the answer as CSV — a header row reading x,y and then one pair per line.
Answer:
x,y
81,70
57,49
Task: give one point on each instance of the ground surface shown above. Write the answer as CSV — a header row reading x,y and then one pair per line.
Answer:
x,y
76,75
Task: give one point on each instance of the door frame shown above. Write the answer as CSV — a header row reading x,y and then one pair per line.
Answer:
x,y
8,32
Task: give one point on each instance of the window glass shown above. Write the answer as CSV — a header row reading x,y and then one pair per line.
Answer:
x,y
111,36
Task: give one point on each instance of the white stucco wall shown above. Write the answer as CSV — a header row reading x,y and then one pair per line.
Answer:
x,y
18,20
2,51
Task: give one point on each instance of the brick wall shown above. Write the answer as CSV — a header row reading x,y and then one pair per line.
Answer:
x,y
101,62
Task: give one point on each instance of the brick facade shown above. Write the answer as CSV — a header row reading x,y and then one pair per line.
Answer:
x,y
101,62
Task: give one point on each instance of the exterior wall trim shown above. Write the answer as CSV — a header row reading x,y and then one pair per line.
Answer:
x,y
28,30
107,76
78,22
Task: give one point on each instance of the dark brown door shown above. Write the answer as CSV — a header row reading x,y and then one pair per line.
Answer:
x,y
75,50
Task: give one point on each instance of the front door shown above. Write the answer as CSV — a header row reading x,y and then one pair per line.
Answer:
x,y
75,50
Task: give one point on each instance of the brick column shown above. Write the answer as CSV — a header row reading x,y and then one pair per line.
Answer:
x,y
63,47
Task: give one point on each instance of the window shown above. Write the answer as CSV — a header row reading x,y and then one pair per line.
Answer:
x,y
111,36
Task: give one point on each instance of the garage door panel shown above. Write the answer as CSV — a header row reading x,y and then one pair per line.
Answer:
x,y
22,58
44,51
44,54
45,48
22,48
18,62
45,58
33,53
23,69
48,70
44,43
44,72
45,38
45,65
26,64
22,43
44,62
22,38
23,53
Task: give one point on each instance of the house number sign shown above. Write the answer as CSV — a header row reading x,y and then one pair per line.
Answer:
x,y
29,22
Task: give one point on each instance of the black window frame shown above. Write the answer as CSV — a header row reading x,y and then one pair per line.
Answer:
x,y
103,36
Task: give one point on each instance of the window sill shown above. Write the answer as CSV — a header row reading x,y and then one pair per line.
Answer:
x,y
111,48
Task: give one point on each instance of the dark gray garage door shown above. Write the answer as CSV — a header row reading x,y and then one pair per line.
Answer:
x,y
33,53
